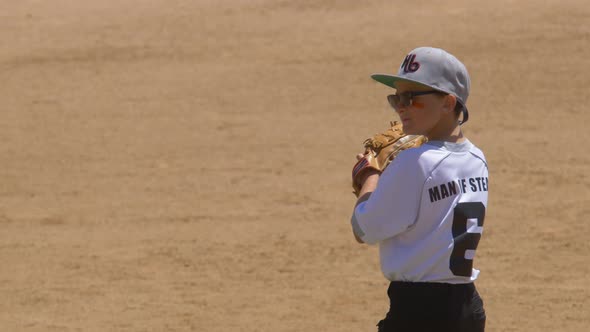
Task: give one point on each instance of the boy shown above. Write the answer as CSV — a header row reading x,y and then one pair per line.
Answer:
x,y
426,210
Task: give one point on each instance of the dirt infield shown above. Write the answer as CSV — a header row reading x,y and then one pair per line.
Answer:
x,y
184,166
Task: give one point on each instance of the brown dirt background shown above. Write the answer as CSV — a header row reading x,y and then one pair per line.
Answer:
x,y
184,165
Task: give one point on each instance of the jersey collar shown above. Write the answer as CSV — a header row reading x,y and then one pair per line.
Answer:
x,y
453,147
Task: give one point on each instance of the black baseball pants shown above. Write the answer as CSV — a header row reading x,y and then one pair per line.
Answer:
x,y
433,307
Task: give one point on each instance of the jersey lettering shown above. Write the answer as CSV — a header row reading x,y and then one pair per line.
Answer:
x,y
472,184
463,185
453,188
467,227
434,194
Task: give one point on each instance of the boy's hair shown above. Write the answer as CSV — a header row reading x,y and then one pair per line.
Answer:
x,y
458,109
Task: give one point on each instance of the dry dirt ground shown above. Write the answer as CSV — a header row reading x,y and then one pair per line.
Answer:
x,y
184,165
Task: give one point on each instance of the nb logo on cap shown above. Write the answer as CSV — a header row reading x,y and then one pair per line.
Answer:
x,y
409,65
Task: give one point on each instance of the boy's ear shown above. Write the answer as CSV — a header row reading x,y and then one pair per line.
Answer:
x,y
450,103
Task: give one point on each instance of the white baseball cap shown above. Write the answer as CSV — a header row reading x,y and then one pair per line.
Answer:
x,y
435,68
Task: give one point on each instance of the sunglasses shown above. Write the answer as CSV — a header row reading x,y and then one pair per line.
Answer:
x,y
406,98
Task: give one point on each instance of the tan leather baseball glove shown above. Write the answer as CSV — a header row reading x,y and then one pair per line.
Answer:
x,y
380,150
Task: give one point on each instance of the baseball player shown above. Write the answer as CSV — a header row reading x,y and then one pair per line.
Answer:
x,y
426,209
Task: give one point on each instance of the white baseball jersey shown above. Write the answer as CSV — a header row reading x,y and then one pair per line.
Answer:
x,y
427,213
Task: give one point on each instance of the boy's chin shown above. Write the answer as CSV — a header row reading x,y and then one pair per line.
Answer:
x,y
409,130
